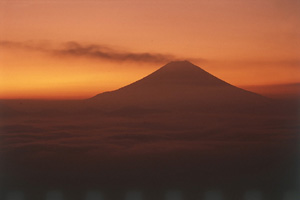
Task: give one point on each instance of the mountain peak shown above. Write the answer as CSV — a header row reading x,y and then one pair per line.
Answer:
x,y
180,65
178,84
182,73
179,62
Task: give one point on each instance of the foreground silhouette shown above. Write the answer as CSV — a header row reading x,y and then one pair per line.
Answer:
x,y
180,86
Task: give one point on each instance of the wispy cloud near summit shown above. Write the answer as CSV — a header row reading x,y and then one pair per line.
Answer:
x,y
96,51
104,52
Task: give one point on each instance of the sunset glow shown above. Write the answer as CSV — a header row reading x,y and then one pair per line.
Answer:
x,y
60,50
141,99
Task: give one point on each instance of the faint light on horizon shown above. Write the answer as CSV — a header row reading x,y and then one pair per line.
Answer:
x,y
253,195
134,195
94,195
54,195
174,195
292,195
213,195
15,195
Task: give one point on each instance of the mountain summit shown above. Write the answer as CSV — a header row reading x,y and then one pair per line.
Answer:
x,y
178,85
182,72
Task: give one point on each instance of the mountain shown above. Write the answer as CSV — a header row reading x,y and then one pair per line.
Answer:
x,y
179,85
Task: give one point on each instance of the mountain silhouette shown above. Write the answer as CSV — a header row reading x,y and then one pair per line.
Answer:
x,y
179,85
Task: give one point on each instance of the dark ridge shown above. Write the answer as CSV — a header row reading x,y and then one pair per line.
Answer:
x,y
180,85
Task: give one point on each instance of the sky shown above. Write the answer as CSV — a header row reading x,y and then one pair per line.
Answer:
x,y
76,49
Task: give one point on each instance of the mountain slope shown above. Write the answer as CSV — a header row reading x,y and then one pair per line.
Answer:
x,y
179,85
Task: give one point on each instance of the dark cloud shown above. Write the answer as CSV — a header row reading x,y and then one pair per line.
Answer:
x,y
124,136
43,46
95,51
106,150
103,52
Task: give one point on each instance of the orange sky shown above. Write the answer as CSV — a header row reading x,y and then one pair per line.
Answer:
x,y
246,43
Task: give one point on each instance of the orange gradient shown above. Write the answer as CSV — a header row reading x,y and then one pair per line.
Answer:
x,y
242,42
